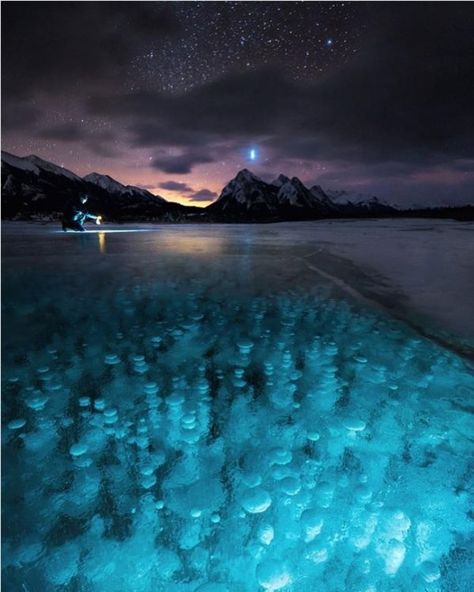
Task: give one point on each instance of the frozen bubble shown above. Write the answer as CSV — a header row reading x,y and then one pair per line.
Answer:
x,y
37,403
16,424
272,574
324,492
394,554
99,404
148,481
280,456
156,340
317,553
189,418
195,513
151,388
251,479
360,359
313,436
266,534
311,522
147,470
84,401
280,472
82,462
77,449
175,400
256,500
245,345
142,442
111,359
430,571
363,494
354,424
215,518
160,504
290,485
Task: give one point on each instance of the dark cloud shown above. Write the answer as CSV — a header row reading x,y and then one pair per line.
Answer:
x,y
401,103
180,164
203,195
68,132
407,95
68,46
19,115
176,186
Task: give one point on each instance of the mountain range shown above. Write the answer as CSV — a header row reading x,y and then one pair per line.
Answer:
x,y
35,188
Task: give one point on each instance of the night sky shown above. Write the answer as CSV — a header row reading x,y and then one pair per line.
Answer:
x,y
178,96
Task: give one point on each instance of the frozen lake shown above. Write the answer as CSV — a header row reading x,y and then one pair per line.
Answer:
x,y
233,408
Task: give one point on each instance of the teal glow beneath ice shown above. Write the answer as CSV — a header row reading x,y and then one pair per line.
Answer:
x,y
167,431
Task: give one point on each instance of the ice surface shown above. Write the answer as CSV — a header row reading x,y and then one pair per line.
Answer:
x,y
196,409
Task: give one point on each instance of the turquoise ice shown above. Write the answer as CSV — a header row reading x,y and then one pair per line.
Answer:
x,y
197,410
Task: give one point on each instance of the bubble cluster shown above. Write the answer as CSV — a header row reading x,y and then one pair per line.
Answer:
x,y
281,442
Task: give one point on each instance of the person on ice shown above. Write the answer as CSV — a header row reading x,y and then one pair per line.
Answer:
x,y
76,215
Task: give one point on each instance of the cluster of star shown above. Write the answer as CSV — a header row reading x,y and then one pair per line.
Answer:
x,y
304,39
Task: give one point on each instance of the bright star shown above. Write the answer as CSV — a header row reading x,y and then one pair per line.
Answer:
x,y
253,154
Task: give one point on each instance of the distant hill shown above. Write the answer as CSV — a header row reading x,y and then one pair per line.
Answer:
x,y
249,197
32,187
35,188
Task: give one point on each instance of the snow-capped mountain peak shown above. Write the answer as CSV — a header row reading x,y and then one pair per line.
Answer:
x,y
112,186
51,168
280,180
354,198
19,162
105,182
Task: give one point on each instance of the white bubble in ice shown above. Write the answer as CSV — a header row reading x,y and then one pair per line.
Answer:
x,y
16,424
245,346
266,534
146,470
354,424
38,402
78,449
311,522
317,552
394,554
84,401
151,388
99,404
280,456
195,513
175,400
111,359
251,479
160,504
430,571
290,485
148,481
215,518
256,500
272,574
363,494
313,436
